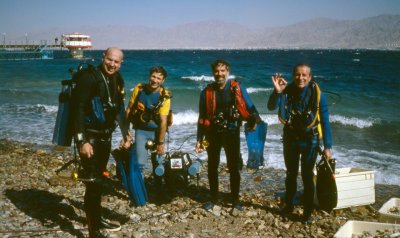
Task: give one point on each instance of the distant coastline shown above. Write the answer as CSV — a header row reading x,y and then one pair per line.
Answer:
x,y
379,32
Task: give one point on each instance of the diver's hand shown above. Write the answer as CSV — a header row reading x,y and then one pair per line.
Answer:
x,y
257,120
252,124
327,153
86,150
253,128
127,142
160,149
199,148
279,82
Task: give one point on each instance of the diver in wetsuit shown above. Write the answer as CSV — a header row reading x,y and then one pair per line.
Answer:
x,y
223,106
99,103
303,110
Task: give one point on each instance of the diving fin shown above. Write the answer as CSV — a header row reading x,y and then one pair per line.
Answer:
x,y
136,184
122,157
255,144
131,176
326,188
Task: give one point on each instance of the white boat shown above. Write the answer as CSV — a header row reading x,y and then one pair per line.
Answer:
x,y
76,43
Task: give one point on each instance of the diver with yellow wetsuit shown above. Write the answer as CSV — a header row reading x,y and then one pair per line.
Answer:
x,y
148,110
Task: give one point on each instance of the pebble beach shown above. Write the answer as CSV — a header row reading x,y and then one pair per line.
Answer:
x,y
37,202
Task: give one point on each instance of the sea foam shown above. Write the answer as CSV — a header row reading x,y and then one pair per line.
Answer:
x,y
204,78
199,78
47,108
185,117
28,108
256,90
352,121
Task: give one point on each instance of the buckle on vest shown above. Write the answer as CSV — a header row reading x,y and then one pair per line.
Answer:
x,y
314,130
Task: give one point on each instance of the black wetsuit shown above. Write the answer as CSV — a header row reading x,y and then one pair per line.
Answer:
x,y
225,136
91,84
300,146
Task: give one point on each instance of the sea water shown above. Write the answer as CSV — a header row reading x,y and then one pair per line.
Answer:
x,y
362,87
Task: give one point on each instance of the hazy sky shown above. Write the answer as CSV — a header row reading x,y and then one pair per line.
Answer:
x,y
18,17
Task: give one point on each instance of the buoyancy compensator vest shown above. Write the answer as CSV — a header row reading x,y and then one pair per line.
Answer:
x,y
238,110
301,114
138,113
95,116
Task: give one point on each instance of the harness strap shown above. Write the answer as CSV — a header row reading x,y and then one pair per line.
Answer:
x,y
138,110
285,108
163,96
240,104
316,104
211,104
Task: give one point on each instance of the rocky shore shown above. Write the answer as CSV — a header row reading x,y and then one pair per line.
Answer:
x,y
36,202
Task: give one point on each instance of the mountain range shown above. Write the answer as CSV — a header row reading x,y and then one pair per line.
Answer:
x,y
379,32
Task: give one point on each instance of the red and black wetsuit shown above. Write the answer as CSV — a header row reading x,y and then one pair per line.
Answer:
x,y
221,129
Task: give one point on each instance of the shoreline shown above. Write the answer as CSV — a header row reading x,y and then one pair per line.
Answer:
x,y
36,202
248,49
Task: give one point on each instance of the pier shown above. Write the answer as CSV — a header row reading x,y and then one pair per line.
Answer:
x,y
74,42
25,51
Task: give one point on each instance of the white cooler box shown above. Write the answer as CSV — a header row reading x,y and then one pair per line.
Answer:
x,y
356,228
385,215
356,187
